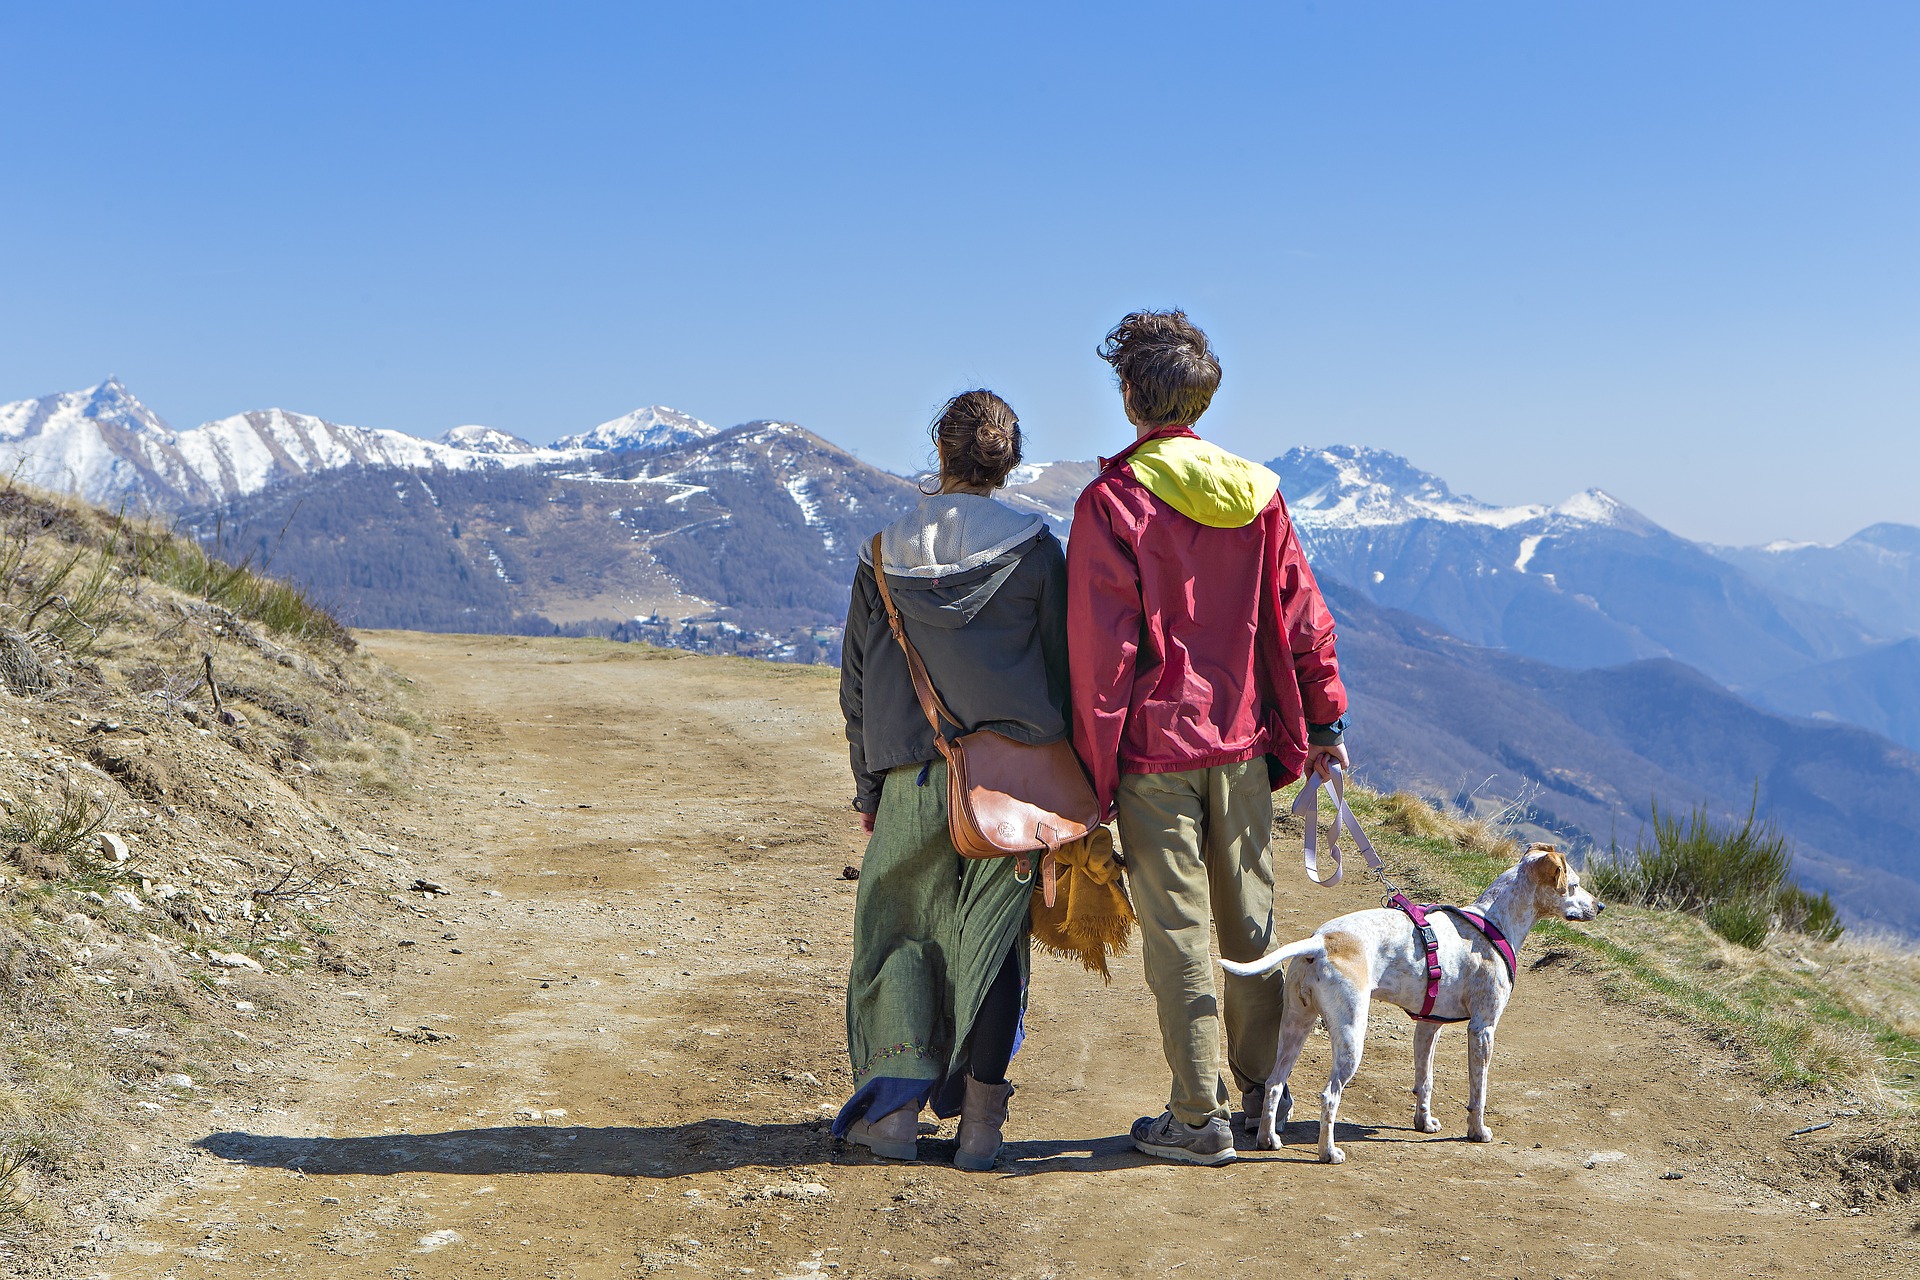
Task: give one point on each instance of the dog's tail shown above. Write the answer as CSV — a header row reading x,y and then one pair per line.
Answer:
x,y
1314,947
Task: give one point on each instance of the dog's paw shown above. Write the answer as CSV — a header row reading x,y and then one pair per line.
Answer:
x,y
1477,1133
1426,1124
1267,1141
1333,1156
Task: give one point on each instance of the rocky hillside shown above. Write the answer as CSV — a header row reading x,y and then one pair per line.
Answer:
x,y
191,762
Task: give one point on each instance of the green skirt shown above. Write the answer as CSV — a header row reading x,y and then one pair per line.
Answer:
x,y
931,930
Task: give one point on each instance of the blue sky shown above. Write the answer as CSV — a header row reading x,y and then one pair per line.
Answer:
x,y
1670,250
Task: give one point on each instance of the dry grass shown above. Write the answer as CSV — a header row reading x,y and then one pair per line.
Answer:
x,y
1839,1016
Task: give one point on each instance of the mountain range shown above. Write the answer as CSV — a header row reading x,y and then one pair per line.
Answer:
x,y
106,446
1575,661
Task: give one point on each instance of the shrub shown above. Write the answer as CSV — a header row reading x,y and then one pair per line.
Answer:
x,y
182,563
62,831
1735,877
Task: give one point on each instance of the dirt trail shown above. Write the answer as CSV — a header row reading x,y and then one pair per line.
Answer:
x,y
647,1035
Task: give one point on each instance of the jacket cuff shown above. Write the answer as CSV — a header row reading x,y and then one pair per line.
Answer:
x,y
1327,735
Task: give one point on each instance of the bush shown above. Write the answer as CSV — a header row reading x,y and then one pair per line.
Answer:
x,y
62,831
1736,877
184,564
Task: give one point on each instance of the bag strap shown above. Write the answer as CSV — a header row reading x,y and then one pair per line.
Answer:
x,y
1307,805
922,683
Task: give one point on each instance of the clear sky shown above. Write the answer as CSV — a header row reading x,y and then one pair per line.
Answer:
x,y
1670,249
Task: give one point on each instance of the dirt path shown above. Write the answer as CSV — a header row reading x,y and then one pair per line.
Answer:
x,y
641,965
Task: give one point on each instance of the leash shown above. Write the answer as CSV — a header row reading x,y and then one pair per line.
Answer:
x,y
1307,805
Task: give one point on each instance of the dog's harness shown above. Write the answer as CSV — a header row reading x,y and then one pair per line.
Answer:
x,y
1307,805
1417,913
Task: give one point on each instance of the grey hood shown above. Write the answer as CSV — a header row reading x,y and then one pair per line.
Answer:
x,y
947,557
950,533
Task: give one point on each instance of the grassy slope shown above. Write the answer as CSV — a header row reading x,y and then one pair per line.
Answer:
x,y
110,983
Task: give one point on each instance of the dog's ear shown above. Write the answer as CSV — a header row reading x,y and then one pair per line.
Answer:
x,y
1547,865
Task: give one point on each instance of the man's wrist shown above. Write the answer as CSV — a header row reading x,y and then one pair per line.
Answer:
x,y
1327,735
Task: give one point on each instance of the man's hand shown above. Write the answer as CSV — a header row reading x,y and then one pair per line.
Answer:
x,y
1320,759
866,823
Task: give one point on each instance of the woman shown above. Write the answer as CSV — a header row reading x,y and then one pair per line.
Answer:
x,y
939,976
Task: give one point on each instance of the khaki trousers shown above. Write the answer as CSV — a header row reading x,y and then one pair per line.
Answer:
x,y
1196,847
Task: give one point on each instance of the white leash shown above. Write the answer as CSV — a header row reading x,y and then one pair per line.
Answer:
x,y
1307,805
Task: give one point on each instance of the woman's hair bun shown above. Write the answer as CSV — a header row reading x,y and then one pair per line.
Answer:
x,y
977,437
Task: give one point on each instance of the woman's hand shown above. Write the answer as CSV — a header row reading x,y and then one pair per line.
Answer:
x,y
866,823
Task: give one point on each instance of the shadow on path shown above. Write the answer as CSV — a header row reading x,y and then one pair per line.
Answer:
x,y
667,1151
1098,1155
664,1151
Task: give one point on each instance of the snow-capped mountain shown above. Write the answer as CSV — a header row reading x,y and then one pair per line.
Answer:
x,y
654,427
478,439
746,535
1586,583
1352,487
106,446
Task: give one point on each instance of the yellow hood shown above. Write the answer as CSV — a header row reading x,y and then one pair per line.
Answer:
x,y
1204,482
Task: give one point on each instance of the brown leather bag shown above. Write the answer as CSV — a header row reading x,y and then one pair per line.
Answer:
x,y
1004,798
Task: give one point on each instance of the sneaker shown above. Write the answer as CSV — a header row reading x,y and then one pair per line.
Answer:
x,y
1167,1137
1255,1098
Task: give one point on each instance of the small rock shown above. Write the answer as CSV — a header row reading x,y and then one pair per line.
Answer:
x,y
849,873
112,847
424,885
233,718
556,1113
234,960
797,1190
527,1113
1605,1157
1815,1205
489,893
128,900
243,1006
329,1199
176,1080
1672,1175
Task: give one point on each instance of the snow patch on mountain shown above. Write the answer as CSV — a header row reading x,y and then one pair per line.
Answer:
x,y
800,489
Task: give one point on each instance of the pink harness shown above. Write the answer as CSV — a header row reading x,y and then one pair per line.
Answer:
x,y
1417,913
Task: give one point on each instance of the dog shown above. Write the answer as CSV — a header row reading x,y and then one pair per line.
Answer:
x,y
1379,955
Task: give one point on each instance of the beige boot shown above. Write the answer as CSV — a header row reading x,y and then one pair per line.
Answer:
x,y
895,1136
983,1113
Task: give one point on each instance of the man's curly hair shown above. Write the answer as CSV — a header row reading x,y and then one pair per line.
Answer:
x,y
1167,371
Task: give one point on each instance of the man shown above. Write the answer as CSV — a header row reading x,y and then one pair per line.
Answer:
x,y
1204,677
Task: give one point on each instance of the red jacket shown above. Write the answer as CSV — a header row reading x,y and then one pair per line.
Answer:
x,y
1197,633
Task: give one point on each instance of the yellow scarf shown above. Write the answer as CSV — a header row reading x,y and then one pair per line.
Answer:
x,y
1090,917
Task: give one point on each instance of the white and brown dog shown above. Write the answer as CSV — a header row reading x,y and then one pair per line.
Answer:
x,y
1380,955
